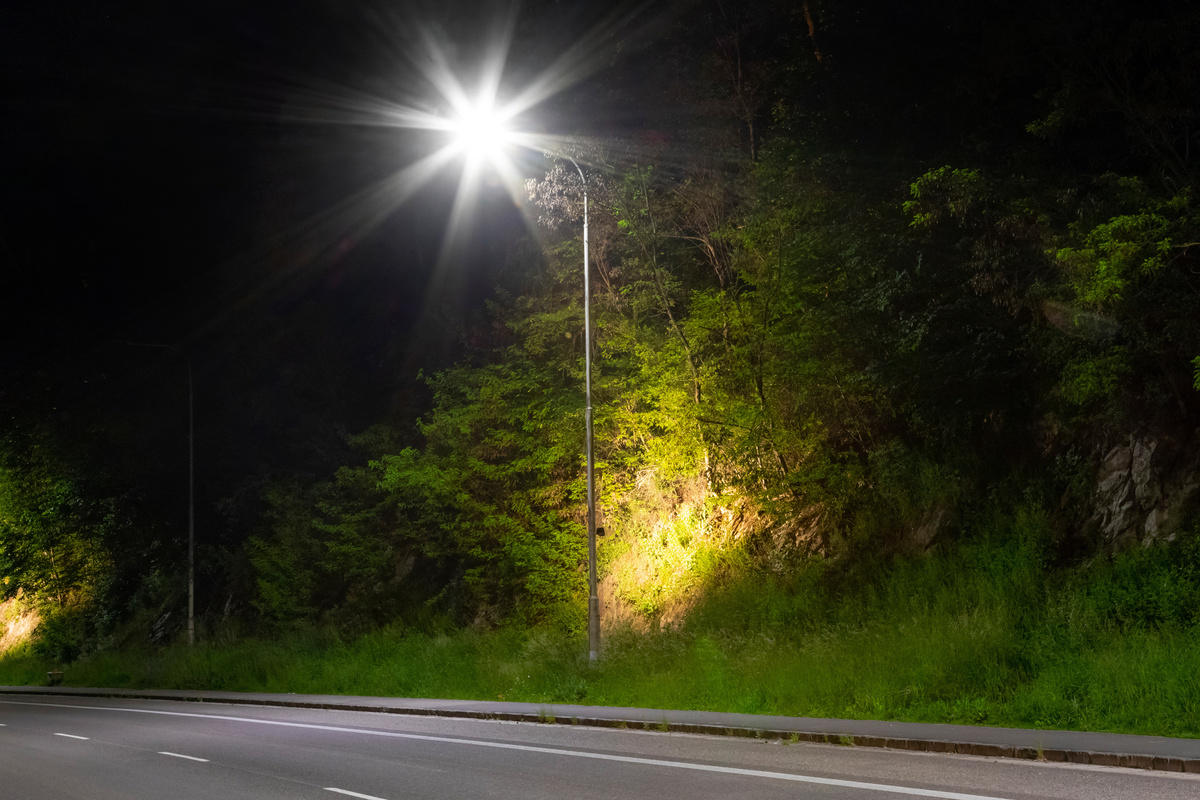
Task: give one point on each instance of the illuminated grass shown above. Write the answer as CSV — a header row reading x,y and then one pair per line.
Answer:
x,y
983,635
667,563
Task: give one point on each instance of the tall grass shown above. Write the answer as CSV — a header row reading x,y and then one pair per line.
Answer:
x,y
985,633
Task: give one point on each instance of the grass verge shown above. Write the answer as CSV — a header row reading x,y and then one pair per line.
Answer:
x,y
984,634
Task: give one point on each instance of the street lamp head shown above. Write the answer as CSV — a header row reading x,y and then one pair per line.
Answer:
x,y
480,131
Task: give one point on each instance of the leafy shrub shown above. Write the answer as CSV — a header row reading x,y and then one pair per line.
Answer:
x,y
61,635
1146,587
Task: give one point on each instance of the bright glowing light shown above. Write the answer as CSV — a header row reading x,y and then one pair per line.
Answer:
x,y
480,119
480,131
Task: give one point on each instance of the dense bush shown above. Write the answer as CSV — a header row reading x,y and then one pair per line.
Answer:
x,y
982,633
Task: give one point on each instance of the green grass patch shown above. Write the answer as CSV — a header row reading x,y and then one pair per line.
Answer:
x,y
985,633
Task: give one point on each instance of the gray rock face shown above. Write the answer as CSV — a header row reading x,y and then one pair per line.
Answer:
x,y
1145,486
935,521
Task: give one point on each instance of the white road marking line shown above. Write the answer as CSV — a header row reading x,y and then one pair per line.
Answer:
x,y
181,755
71,736
652,762
353,794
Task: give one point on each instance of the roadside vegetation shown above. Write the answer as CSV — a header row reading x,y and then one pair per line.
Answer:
x,y
857,403
983,634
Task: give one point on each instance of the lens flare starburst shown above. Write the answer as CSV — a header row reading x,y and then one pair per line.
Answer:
x,y
483,127
467,95
480,132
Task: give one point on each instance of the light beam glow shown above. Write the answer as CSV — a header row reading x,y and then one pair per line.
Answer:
x,y
477,105
480,131
482,117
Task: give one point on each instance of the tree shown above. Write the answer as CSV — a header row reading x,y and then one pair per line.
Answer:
x,y
51,531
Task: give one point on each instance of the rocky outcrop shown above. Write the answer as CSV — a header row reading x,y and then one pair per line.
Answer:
x,y
932,524
1145,487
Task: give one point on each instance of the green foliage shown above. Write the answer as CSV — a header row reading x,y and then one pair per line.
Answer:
x,y
673,560
495,486
1090,379
1134,267
1128,249
800,346
1150,588
478,524
945,191
61,635
51,531
983,633
284,564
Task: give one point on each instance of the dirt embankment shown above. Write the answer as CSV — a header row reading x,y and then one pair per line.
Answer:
x,y
17,623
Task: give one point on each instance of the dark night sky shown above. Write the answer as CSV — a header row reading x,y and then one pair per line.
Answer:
x,y
156,178
152,182
160,178
164,181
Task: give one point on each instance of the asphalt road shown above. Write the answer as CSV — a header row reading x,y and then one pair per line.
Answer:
x,y
54,748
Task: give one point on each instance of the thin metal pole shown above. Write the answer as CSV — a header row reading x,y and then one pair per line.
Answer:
x,y
593,597
191,507
191,487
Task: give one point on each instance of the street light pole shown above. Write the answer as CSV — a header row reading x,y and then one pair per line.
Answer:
x,y
191,487
593,597
479,130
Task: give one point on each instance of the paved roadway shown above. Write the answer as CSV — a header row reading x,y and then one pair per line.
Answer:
x,y
57,748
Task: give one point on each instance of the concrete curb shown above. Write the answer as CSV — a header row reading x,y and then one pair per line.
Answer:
x,y
666,725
